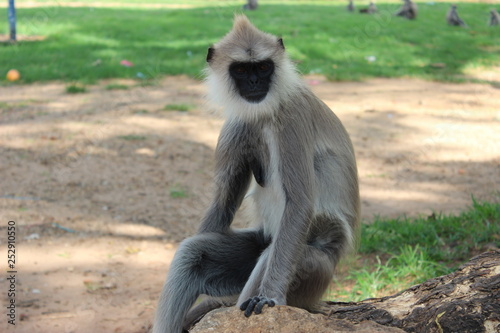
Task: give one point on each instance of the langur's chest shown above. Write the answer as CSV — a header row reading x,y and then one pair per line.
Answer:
x,y
268,196
255,147
270,158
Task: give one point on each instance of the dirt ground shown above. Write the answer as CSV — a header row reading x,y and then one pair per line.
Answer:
x,y
103,185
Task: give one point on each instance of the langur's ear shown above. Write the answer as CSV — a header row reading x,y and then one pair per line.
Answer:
x,y
210,54
280,42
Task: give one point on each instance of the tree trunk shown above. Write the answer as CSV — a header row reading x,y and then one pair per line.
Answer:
x,y
465,301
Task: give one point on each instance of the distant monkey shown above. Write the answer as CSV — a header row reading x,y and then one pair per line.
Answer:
x,y
350,6
251,5
282,149
372,9
452,17
494,18
408,10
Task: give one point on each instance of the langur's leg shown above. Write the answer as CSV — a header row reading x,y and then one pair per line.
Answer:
x,y
210,263
315,271
313,278
211,303
251,288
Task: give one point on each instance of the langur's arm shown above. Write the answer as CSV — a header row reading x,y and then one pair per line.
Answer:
x,y
234,164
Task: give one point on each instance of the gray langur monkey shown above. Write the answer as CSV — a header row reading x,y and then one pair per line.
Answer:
x,y
285,151
251,5
350,6
408,10
452,17
372,9
494,18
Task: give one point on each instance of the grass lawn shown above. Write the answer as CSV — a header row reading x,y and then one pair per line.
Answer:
x,y
85,44
396,254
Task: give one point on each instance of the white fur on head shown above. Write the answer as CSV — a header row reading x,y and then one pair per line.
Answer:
x,y
245,43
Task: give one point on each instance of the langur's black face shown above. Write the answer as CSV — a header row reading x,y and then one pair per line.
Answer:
x,y
252,79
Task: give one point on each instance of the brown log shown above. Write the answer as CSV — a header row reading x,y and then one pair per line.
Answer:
x,y
465,301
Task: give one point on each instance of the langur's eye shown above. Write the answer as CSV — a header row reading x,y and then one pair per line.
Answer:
x,y
240,70
263,67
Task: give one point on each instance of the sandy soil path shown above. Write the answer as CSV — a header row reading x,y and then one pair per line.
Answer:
x,y
102,185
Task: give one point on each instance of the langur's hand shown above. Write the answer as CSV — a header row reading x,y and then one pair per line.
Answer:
x,y
255,304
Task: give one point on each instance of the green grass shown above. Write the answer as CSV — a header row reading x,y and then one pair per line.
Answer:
x,y
132,137
178,192
382,278
117,86
178,107
76,88
396,254
141,111
443,238
4,106
167,3
323,38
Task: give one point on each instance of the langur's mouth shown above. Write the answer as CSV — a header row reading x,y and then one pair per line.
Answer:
x,y
255,97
